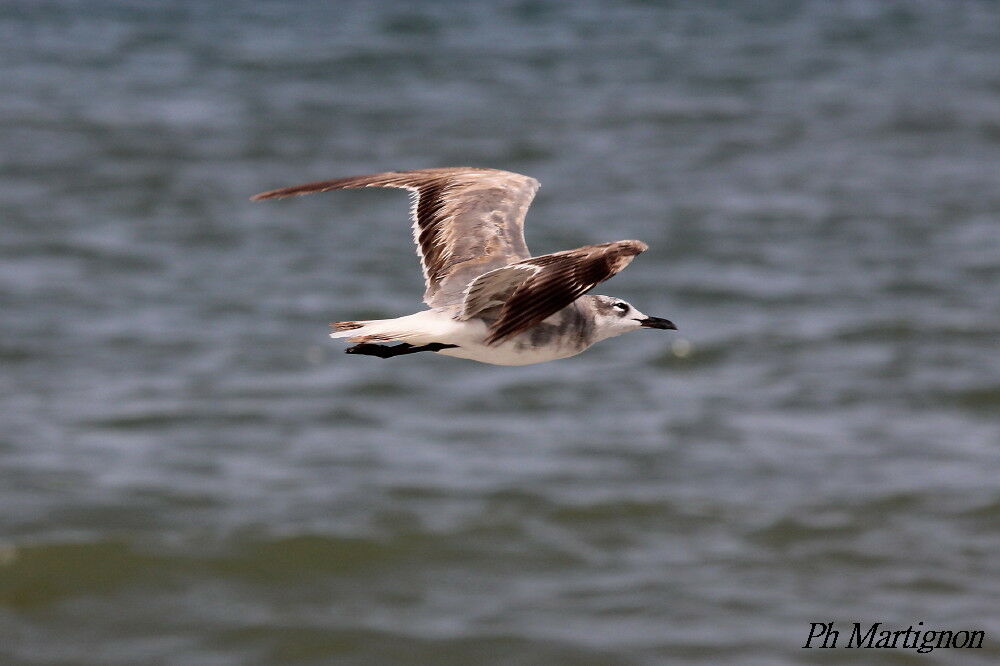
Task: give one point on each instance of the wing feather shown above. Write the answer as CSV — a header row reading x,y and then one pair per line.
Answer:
x,y
466,221
492,289
562,277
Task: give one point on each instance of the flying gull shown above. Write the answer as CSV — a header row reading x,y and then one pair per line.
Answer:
x,y
489,299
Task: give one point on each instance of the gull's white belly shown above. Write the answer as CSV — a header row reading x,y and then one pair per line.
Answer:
x,y
509,353
469,336
546,342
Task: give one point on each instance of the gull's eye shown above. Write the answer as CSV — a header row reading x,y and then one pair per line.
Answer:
x,y
621,307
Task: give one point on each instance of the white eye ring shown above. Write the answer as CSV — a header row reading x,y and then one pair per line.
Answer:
x,y
623,307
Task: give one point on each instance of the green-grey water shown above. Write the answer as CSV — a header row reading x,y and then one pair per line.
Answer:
x,y
192,473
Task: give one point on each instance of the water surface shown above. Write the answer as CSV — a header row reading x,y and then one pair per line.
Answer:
x,y
192,473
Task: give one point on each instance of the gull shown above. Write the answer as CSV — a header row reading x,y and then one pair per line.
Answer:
x,y
488,299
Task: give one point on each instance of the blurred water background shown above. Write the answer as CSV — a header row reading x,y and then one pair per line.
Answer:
x,y
192,473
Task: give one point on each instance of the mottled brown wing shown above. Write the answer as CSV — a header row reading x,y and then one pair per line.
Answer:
x,y
561,279
494,288
466,221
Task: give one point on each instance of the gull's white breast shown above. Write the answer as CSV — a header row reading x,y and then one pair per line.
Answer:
x,y
469,335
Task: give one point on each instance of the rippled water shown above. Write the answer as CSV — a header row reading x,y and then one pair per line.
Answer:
x,y
192,473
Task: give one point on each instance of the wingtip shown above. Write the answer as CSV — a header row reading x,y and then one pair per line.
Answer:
x,y
294,190
271,194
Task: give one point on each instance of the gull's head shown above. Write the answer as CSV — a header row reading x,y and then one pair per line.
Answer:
x,y
615,316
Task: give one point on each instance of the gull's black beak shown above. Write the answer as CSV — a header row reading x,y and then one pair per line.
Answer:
x,y
656,322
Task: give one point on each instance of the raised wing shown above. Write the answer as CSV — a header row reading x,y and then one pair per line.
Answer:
x,y
560,279
466,221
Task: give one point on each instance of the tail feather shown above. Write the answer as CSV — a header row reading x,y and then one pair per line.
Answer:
x,y
339,326
375,330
